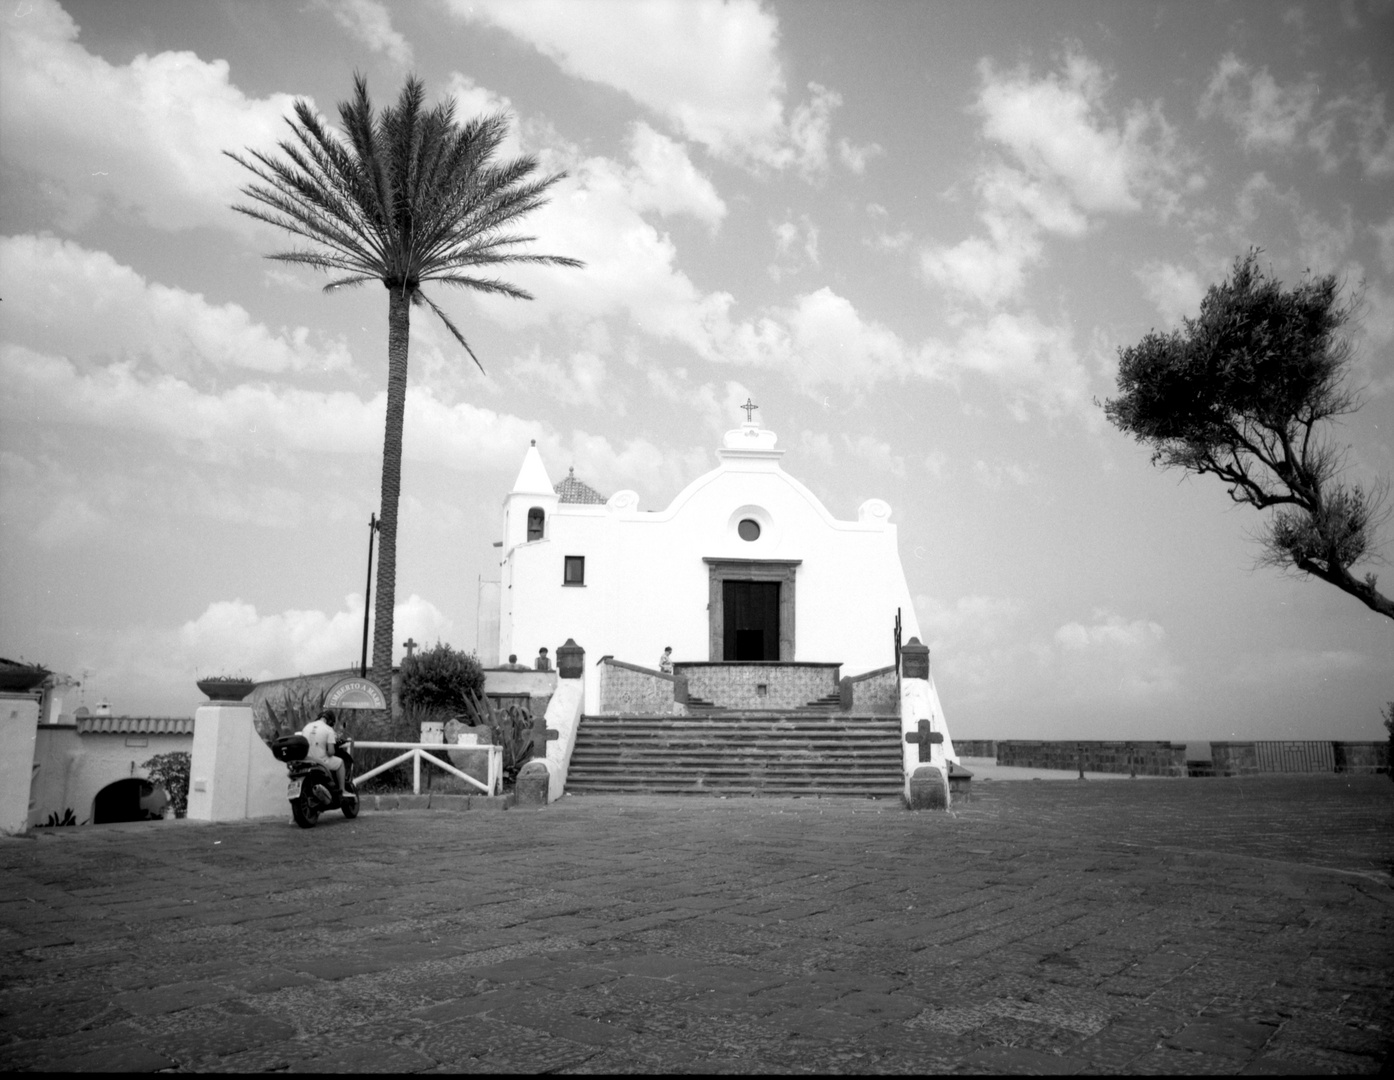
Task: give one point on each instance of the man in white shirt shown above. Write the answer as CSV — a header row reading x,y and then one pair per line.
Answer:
x,y
322,738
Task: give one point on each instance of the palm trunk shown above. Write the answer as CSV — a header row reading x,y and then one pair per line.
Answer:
x,y
398,328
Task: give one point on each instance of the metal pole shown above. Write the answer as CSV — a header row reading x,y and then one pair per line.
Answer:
x,y
367,596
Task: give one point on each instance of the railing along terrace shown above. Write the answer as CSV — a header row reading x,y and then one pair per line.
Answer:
x,y
417,751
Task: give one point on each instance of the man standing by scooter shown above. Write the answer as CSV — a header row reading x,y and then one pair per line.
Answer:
x,y
322,738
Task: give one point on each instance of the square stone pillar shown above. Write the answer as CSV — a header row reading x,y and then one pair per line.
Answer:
x,y
233,775
19,724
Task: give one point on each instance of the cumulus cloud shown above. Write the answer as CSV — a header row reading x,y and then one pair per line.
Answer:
x,y
998,474
972,640
875,453
1175,291
370,23
828,341
245,422
64,298
1029,361
863,451
251,419
1070,158
1059,129
856,158
1110,656
146,136
1276,118
988,270
230,634
664,179
1266,115
710,69
1384,236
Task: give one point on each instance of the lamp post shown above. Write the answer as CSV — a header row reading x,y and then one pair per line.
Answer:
x,y
368,596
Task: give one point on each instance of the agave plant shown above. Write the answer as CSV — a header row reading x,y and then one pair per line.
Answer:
x,y
509,728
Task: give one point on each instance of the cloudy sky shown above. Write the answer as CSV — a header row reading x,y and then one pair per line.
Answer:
x,y
916,234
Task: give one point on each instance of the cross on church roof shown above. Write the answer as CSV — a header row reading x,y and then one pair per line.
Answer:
x,y
410,646
749,408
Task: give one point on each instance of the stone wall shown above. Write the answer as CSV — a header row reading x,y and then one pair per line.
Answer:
x,y
1361,757
759,685
976,747
1298,756
874,693
1150,758
629,689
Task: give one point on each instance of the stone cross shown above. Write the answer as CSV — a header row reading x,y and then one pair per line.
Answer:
x,y
925,738
410,646
749,408
541,736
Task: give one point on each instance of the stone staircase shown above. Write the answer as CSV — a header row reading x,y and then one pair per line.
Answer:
x,y
728,752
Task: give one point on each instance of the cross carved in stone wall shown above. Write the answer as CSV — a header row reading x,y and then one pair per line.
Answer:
x,y
925,738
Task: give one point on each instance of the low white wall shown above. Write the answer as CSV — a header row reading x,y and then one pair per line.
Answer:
x,y
919,700
19,720
563,715
233,775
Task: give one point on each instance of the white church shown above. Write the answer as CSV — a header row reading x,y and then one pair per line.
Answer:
x,y
745,564
745,570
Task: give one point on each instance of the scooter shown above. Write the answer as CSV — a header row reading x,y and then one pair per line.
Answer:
x,y
312,789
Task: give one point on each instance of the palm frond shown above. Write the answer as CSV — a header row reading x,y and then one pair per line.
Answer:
x,y
350,282
484,285
451,327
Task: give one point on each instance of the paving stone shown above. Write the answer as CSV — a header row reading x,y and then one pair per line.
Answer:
x,y
1232,1038
1188,926
1019,1060
167,999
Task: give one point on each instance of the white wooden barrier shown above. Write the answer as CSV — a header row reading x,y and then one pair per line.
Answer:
x,y
416,751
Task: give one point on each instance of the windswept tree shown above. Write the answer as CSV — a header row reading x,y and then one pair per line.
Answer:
x,y
1247,392
404,197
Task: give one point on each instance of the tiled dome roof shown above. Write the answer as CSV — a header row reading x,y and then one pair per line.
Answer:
x,y
572,490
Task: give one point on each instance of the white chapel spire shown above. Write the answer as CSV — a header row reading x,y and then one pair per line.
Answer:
x,y
532,477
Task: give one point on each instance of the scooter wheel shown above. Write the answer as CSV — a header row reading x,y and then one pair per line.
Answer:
x,y
305,812
350,808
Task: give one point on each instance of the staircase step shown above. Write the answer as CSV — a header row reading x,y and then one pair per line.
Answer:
x,y
813,751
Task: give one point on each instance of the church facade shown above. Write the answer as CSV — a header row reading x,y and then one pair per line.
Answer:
x,y
745,564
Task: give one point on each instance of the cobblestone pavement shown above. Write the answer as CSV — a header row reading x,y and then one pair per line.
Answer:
x,y
1191,926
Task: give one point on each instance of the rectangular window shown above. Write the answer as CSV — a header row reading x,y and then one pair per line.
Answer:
x,y
575,572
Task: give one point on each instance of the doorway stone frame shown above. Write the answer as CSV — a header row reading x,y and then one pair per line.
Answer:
x,y
722,570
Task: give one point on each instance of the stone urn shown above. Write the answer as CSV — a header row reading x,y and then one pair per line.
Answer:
x,y
20,678
226,689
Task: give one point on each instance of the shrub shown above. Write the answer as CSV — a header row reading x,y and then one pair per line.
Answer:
x,y
441,678
171,772
1388,714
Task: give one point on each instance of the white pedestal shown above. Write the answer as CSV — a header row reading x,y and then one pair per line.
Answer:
x,y
233,775
19,722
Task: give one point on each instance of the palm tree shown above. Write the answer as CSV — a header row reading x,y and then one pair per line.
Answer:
x,y
406,197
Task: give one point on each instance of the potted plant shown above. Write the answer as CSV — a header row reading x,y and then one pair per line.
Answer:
x,y
17,677
226,687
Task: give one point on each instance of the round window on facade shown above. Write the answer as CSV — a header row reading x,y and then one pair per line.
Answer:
x,y
749,529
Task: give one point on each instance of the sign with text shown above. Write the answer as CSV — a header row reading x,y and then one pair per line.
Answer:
x,y
354,693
